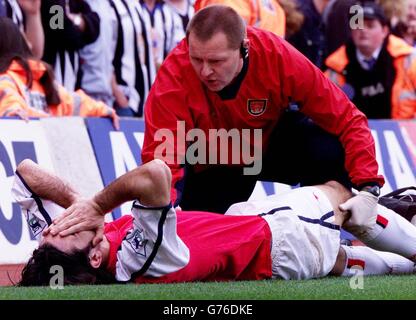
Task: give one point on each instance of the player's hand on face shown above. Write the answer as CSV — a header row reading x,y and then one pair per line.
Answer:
x,y
82,215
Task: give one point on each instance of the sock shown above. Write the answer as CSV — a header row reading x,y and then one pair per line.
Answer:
x,y
374,262
396,234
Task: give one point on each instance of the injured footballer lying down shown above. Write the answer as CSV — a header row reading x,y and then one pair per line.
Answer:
x,y
293,235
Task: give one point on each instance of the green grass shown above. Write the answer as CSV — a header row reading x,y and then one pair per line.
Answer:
x,y
387,287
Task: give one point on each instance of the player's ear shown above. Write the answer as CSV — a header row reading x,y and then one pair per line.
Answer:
x,y
244,48
246,42
96,257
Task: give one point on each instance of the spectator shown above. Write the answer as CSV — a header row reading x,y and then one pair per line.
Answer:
x,y
394,10
294,18
265,14
133,62
26,14
376,70
310,39
27,87
184,10
166,29
406,27
97,58
80,27
336,19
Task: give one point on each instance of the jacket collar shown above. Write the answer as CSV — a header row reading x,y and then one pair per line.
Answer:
x,y
397,47
37,67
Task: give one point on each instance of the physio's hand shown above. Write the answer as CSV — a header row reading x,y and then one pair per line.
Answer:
x,y
363,208
82,215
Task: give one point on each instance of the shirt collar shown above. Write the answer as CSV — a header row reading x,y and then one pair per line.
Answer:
x,y
361,58
230,91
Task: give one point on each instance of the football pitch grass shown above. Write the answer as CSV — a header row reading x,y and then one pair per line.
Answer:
x,y
380,288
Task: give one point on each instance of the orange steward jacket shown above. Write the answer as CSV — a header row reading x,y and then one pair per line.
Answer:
x,y
403,97
16,96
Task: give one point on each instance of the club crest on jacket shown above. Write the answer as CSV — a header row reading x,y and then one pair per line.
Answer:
x,y
256,107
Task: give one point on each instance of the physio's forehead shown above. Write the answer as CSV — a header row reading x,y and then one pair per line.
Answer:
x,y
217,42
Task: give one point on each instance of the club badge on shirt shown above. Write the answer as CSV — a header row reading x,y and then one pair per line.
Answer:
x,y
36,225
138,242
256,107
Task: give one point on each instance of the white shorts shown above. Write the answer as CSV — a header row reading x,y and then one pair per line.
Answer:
x,y
305,242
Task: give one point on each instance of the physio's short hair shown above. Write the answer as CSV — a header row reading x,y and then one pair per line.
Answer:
x,y
76,268
218,18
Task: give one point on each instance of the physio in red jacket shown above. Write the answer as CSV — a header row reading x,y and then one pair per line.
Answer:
x,y
226,83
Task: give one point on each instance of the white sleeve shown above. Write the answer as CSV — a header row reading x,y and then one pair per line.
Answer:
x,y
242,209
38,212
152,247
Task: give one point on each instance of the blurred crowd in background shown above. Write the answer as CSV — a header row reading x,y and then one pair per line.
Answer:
x,y
101,57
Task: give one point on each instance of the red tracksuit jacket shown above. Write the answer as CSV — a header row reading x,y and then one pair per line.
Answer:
x,y
277,73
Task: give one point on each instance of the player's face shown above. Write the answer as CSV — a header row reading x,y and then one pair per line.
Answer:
x,y
78,241
213,61
371,37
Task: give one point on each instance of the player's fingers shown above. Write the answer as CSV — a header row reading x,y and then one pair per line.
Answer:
x,y
71,230
63,225
98,237
62,217
46,232
56,220
64,221
72,215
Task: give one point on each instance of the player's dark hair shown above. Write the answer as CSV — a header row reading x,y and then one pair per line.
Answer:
x,y
218,18
76,268
13,47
